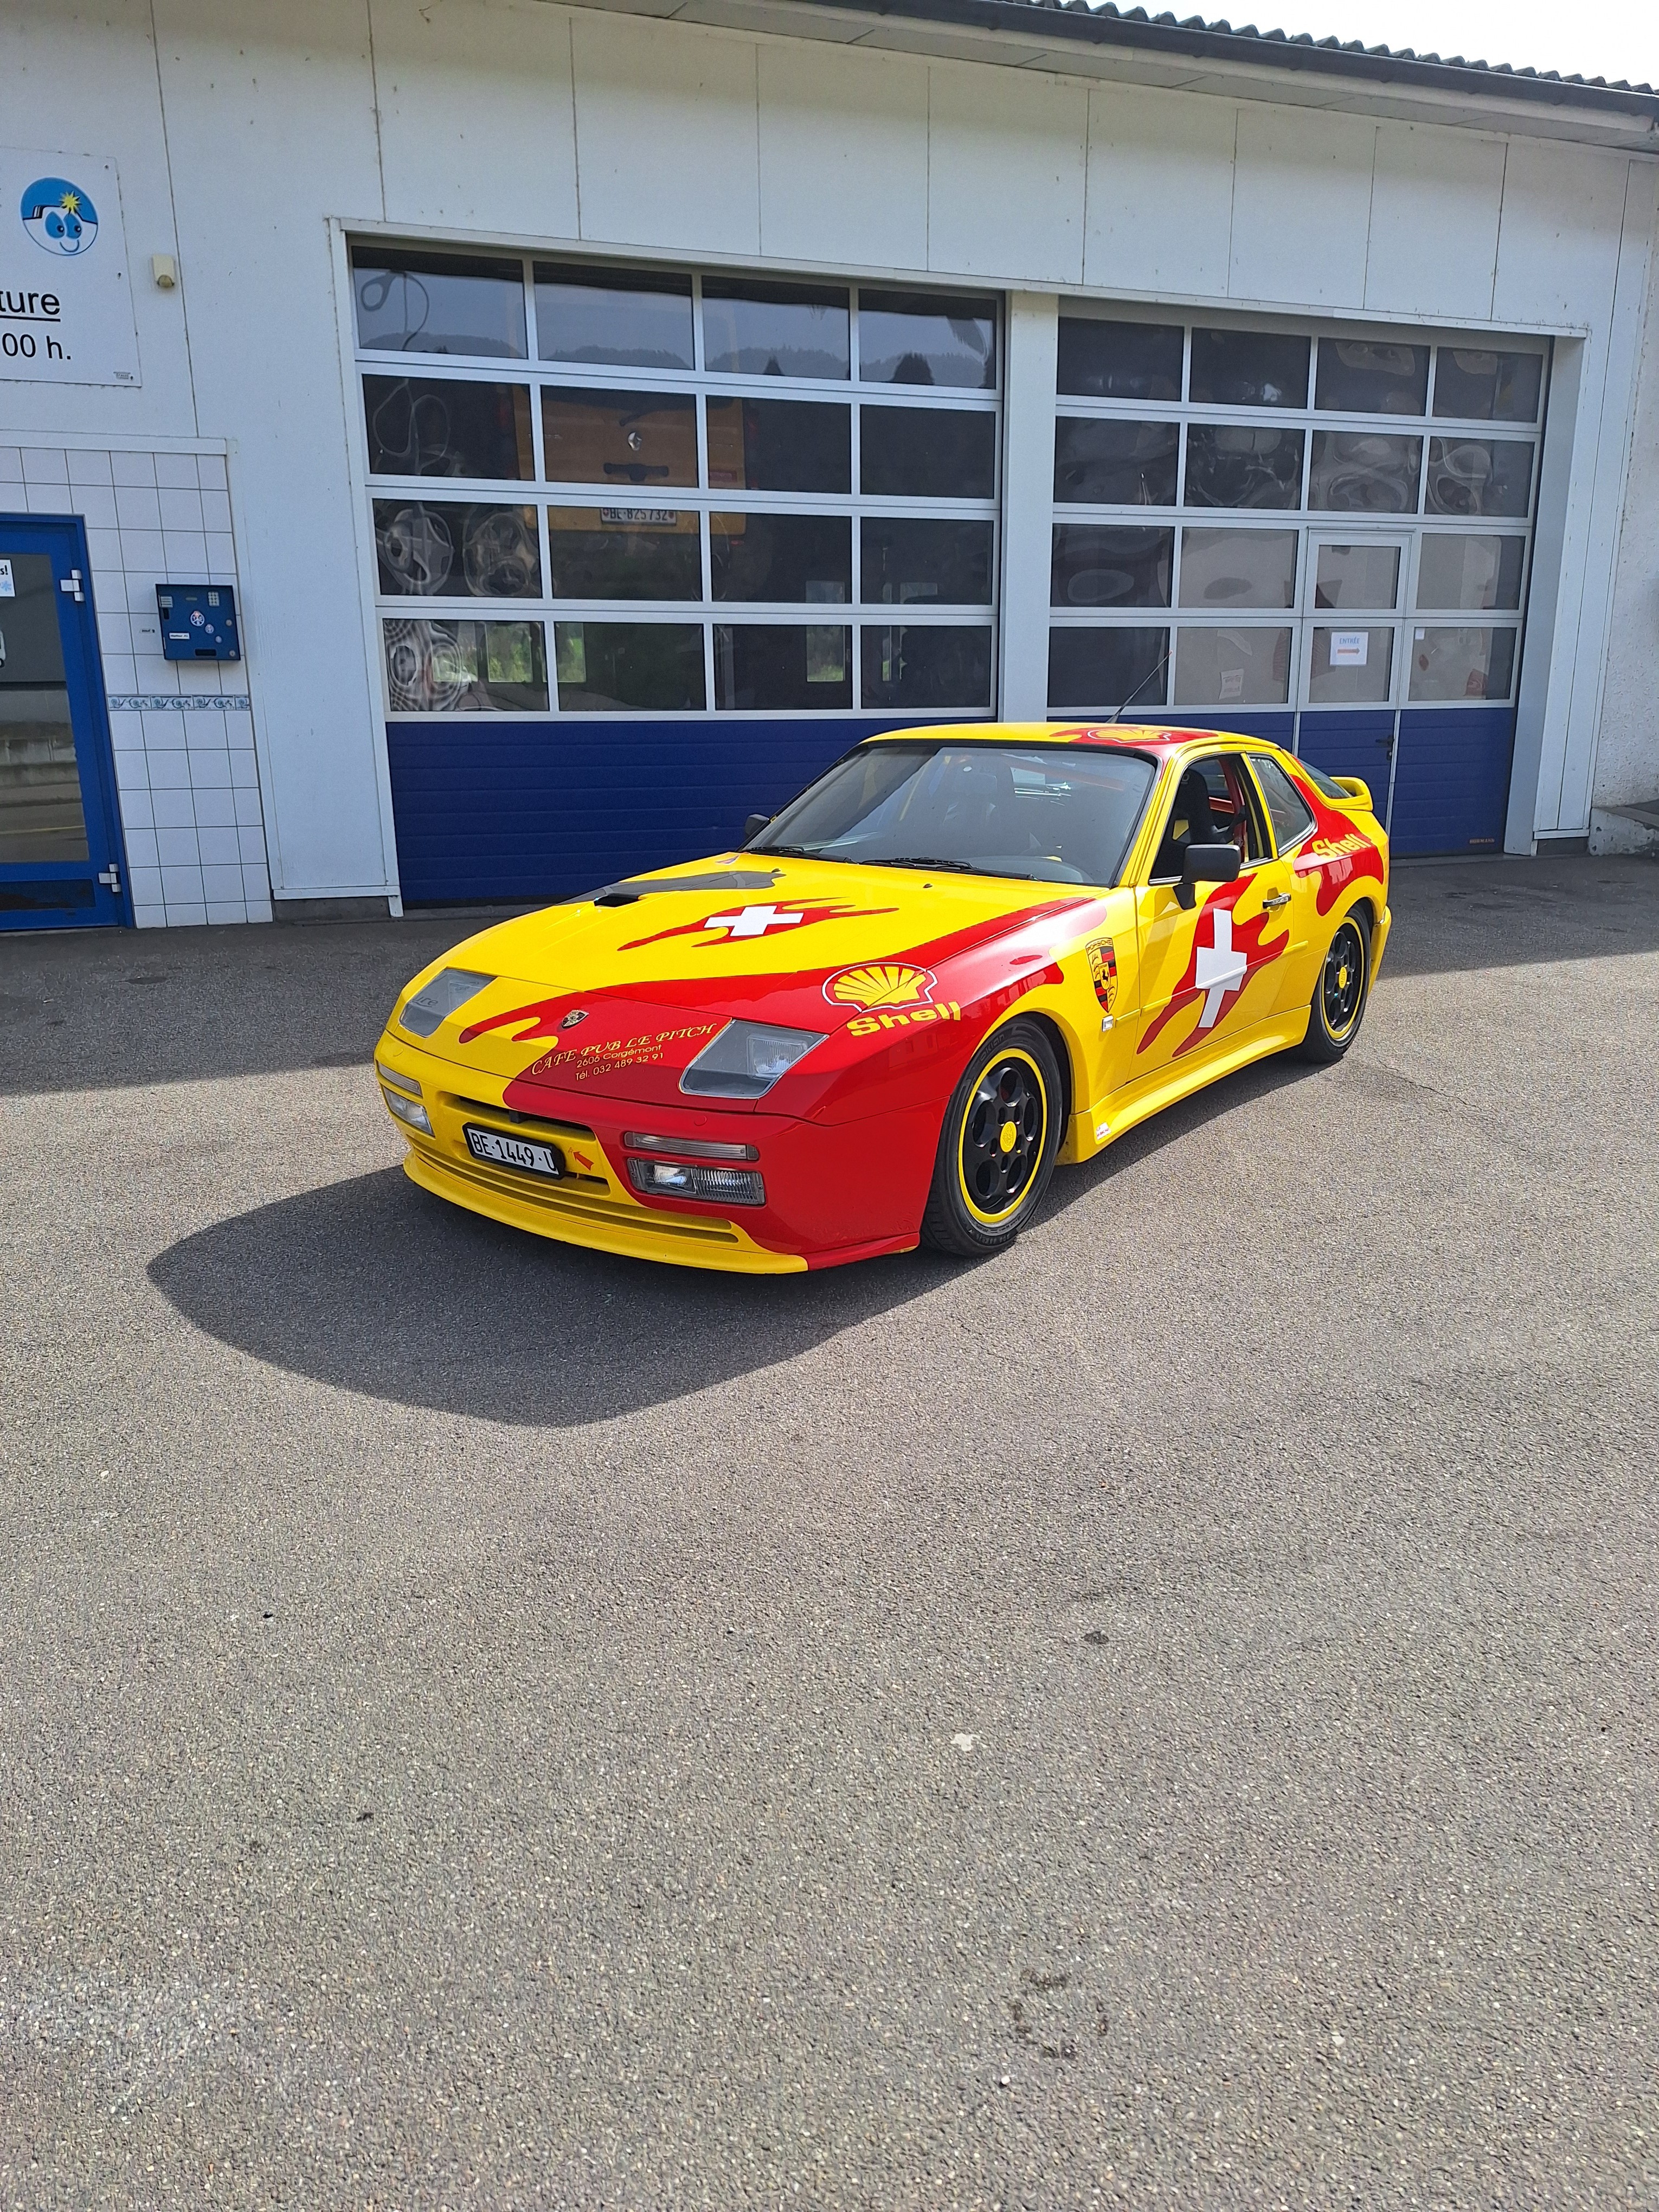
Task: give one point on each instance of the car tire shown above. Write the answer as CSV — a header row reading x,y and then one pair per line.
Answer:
x,y
997,1146
1342,992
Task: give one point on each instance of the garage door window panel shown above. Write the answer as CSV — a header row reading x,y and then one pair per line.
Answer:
x,y
623,439
776,330
1350,667
1367,376
1475,386
1107,670
1095,565
928,452
1456,570
779,445
465,667
1249,369
1106,462
633,318
907,561
918,338
1222,568
624,553
434,548
1357,575
780,666
440,303
1243,464
782,557
447,427
927,665
1478,476
1232,667
1364,472
1100,360
620,667
1450,663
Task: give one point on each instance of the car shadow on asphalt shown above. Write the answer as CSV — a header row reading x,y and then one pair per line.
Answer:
x,y
375,1285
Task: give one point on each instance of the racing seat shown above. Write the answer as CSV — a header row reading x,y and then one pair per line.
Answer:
x,y
1191,823
982,813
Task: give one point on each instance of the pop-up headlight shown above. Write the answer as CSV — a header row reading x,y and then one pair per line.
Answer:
x,y
435,1001
746,1059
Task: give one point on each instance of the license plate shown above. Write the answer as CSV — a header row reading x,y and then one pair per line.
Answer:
x,y
513,1152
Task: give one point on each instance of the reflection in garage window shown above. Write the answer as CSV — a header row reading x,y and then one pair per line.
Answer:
x,y
438,550
633,317
1478,476
1367,376
438,303
921,337
1457,569
782,664
465,667
443,427
928,452
1109,463
1099,360
782,556
774,330
624,553
1237,568
1479,386
1232,667
1462,664
906,561
1249,369
1095,565
605,667
1359,575
1241,465
1106,671
638,438
779,445
928,665
1364,472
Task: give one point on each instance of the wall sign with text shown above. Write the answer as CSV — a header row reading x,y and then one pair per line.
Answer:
x,y
65,298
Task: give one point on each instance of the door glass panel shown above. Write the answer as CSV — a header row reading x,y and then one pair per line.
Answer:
x,y
1364,472
907,337
1249,369
1108,671
621,438
465,667
434,549
41,817
1478,476
774,330
782,556
1360,376
1119,361
624,553
629,316
1237,568
779,445
1457,571
429,426
928,452
1488,387
1357,576
1094,566
1242,465
438,303
905,560
1292,817
605,667
1462,664
782,664
926,665
1115,464
1350,667
1233,667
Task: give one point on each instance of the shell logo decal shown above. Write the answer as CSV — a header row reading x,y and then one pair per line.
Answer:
x,y
883,983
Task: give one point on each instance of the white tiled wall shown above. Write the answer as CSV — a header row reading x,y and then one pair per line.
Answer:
x,y
188,786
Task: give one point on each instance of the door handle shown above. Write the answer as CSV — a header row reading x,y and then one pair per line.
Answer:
x,y
111,879
1279,898
71,584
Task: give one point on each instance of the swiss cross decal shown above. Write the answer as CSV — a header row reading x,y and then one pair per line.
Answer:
x,y
1225,954
741,925
753,920
1219,970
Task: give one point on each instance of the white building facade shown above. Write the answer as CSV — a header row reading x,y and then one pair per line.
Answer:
x,y
569,427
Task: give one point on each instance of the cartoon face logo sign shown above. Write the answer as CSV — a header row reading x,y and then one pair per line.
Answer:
x,y
59,217
1102,971
883,983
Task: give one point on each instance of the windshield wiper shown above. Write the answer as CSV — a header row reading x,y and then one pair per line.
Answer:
x,y
951,867
790,852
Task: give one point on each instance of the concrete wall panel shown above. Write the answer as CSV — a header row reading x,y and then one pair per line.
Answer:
x,y
1302,207
1006,163
843,157
1437,200
1160,206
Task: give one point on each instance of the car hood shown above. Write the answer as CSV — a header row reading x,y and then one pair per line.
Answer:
x,y
616,992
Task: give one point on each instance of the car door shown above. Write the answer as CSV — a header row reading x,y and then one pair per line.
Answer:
x,y
1201,966
1291,820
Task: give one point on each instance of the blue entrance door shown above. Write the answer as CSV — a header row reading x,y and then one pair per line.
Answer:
x,y
60,840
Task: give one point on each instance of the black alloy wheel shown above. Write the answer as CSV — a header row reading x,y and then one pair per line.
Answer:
x,y
1339,997
996,1150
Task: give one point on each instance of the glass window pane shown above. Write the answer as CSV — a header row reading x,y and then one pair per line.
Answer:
x,y
1108,671
1249,369
432,550
41,815
642,438
1237,568
1119,361
604,668
782,556
1292,817
438,427
1236,464
774,330
1362,376
1462,664
1478,476
438,302
629,316
1114,464
1454,570
779,445
1350,667
926,665
767,664
1364,472
1233,668
1357,576
465,667
624,553
921,337
946,561
1488,387
1096,567
928,452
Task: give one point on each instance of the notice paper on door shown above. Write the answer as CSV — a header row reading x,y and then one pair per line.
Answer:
x,y
8,588
1349,648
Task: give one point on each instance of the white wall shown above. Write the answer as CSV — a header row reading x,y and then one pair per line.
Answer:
x,y
242,131
1627,757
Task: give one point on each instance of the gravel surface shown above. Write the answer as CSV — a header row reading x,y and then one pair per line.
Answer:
x,y
1168,1716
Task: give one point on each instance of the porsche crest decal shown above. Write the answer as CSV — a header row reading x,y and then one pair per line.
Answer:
x,y
1102,971
883,983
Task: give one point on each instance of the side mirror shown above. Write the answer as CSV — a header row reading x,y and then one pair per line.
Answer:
x,y
1207,864
754,825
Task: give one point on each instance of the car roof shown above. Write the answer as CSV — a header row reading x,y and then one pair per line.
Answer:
x,y
1159,737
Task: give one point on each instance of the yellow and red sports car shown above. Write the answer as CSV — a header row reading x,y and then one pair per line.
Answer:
x,y
962,955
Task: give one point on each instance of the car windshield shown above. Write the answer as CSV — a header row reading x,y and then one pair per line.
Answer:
x,y
1056,814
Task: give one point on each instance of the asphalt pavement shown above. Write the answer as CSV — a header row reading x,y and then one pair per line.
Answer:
x,y
1166,1716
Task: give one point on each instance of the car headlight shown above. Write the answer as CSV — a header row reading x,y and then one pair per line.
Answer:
x,y
670,1179
746,1059
436,1000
